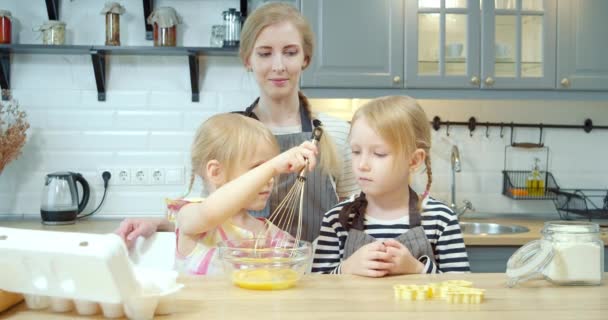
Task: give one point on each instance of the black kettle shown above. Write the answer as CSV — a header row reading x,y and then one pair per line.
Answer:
x,y
60,203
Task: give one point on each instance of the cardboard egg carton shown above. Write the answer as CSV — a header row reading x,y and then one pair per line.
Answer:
x,y
90,273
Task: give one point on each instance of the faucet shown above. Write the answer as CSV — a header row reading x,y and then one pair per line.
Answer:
x,y
456,167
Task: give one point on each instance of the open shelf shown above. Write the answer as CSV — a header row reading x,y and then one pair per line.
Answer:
x,y
98,58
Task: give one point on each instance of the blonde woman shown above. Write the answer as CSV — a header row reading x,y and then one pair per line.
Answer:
x,y
276,46
388,228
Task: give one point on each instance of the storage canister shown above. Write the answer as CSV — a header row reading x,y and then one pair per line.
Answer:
x,y
53,32
165,21
5,27
568,253
112,11
232,23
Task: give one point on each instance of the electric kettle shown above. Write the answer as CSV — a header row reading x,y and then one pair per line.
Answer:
x,y
60,203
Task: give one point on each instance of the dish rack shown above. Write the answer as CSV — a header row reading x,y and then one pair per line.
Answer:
x,y
588,203
515,185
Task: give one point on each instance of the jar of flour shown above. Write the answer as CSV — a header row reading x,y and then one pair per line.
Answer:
x,y
569,253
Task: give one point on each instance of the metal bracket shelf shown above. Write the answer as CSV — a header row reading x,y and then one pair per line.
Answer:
x,y
99,57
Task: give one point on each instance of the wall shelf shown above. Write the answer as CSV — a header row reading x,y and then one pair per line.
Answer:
x,y
99,57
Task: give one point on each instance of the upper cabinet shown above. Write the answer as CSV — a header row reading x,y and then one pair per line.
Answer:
x,y
582,45
503,44
467,44
443,45
359,43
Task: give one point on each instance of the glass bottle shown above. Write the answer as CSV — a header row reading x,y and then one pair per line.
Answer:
x,y
5,27
113,10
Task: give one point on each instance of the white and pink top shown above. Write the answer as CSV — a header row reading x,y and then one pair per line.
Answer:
x,y
204,259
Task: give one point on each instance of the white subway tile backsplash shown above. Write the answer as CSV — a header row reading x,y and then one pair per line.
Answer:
x,y
150,120
148,158
94,140
171,141
79,120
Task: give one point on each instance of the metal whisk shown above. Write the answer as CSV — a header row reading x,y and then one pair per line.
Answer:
x,y
292,206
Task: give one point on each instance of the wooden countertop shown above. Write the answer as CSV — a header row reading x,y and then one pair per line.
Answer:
x,y
352,297
107,225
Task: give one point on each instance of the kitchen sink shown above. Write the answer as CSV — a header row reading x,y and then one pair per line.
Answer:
x,y
482,228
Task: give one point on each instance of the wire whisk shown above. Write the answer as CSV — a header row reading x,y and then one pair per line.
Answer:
x,y
290,209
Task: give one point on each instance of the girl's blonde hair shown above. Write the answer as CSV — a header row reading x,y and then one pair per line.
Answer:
x,y
229,138
274,13
403,124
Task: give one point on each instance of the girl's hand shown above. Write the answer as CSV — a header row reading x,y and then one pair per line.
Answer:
x,y
402,260
294,159
369,261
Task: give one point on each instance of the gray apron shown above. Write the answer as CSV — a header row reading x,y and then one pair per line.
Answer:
x,y
414,239
319,192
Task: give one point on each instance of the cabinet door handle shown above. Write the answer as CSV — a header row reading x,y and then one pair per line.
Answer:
x,y
489,81
474,80
396,79
565,82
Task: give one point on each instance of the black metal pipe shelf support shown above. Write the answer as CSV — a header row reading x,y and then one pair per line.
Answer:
x,y
472,124
148,5
5,75
52,8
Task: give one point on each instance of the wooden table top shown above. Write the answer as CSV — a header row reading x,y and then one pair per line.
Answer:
x,y
353,297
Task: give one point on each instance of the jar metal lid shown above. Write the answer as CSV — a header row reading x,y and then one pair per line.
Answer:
x,y
572,227
529,261
5,13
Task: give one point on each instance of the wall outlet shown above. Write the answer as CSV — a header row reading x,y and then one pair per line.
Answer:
x,y
157,176
139,176
123,176
174,175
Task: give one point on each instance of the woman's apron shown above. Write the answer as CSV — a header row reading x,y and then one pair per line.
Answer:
x,y
319,192
414,239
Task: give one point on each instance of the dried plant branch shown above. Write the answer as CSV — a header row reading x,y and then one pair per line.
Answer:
x,y
13,132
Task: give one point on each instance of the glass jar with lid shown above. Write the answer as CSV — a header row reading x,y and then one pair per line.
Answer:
x,y
112,11
5,27
568,253
53,32
164,21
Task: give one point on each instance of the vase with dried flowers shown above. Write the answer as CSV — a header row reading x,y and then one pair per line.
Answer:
x,y
13,132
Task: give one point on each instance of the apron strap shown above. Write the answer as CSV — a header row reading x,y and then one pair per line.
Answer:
x,y
304,118
414,213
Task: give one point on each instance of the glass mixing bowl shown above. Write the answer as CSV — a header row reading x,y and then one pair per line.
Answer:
x,y
260,264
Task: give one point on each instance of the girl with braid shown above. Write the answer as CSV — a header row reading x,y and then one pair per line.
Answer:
x,y
237,158
388,228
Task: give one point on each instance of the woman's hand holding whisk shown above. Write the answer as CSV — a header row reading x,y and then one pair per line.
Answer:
x,y
296,158
371,260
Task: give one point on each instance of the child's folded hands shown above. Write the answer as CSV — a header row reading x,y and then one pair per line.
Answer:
x,y
371,260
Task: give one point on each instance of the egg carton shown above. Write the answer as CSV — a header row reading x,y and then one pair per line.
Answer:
x,y
91,273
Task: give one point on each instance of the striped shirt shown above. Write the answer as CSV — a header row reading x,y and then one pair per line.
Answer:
x,y
439,222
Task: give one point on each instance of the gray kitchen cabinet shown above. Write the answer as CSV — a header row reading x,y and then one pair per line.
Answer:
x,y
442,44
359,43
582,45
494,44
518,44
494,258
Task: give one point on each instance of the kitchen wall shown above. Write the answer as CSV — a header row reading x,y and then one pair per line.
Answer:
x,y
148,119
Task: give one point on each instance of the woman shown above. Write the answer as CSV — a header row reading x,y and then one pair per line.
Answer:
x,y
277,44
